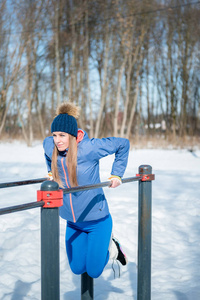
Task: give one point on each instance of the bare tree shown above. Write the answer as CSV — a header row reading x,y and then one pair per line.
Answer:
x,y
105,56
103,69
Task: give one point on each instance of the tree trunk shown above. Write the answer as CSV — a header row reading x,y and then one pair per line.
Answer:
x,y
104,85
130,121
57,53
120,74
132,60
128,87
91,123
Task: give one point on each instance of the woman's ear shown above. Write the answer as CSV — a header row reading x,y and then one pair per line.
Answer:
x,y
80,136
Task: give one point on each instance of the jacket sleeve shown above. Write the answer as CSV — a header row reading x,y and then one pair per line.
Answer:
x,y
48,162
48,146
107,146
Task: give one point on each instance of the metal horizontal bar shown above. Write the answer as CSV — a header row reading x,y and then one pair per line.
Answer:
x,y
66,191
131,179
26,206
11,209
23,182
98,185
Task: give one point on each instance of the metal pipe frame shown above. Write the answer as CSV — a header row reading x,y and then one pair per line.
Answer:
x,y
50,264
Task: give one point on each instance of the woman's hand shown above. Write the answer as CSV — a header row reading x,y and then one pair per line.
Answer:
x,y
115,181
49,176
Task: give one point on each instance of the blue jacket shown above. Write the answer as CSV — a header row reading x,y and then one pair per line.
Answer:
x,y
88,205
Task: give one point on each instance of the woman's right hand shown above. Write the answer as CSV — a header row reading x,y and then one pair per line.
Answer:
x,y
49,176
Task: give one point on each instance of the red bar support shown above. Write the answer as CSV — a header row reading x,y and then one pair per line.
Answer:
x,y
51,198
146,177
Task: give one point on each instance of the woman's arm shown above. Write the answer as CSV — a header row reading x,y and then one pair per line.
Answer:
x,y
48,146
112,145
48,163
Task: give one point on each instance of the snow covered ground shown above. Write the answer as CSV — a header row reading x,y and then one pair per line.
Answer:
x,y
175,228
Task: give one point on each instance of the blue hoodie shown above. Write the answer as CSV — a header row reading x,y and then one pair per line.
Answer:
x,y
88,205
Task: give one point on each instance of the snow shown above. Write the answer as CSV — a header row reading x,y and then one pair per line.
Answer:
x,y
175,227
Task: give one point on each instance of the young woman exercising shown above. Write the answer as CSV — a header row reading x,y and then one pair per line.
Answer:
x,y
73,159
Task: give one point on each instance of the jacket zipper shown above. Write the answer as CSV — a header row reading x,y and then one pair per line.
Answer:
x,y
70,195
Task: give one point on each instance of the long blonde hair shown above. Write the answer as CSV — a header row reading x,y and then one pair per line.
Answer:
x,y
71,163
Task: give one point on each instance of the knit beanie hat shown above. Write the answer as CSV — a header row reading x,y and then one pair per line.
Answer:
x,y
65,121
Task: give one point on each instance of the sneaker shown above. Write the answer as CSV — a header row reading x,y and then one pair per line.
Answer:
x,y
121,256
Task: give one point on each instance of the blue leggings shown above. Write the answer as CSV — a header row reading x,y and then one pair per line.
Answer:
x,y
87,246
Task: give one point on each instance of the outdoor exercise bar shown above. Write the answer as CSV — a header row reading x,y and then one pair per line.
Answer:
x,y
22,182
50,198
11,209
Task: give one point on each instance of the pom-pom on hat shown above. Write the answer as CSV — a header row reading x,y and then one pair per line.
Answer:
x,y
65,121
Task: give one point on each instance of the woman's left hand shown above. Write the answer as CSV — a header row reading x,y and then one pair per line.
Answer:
x,y
114,182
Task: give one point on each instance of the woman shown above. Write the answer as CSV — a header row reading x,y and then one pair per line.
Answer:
x,y
73,159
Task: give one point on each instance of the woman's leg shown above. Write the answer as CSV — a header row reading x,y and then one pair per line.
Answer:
x,y
76,247
98,243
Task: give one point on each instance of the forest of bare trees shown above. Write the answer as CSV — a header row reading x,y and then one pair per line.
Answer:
x,y
133,66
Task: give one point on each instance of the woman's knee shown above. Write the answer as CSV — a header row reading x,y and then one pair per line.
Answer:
x,y
77,269
95,268
94,273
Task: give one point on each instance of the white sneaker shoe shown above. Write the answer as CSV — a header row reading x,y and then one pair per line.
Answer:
x,y
116,252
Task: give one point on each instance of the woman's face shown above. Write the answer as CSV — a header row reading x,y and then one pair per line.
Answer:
x,y
61,140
